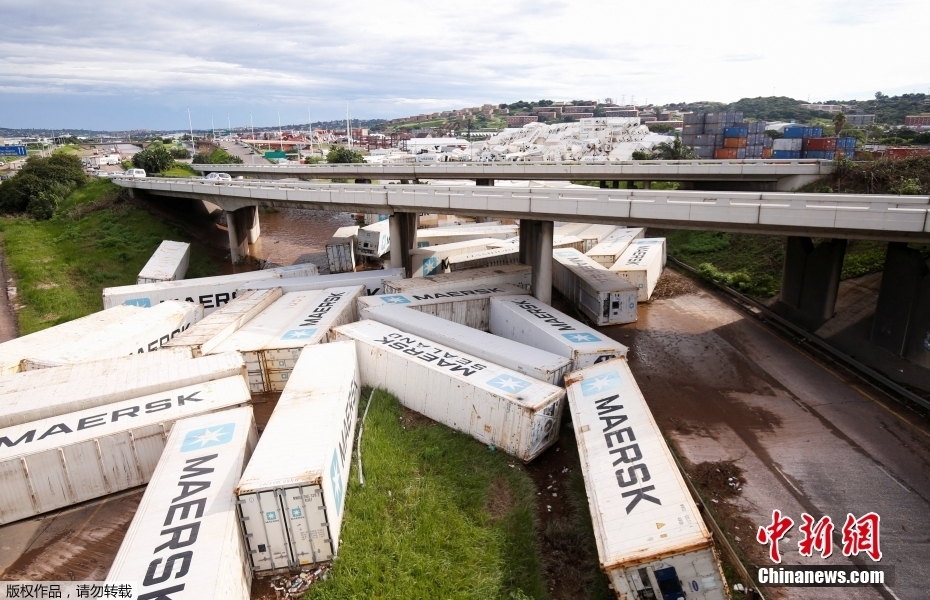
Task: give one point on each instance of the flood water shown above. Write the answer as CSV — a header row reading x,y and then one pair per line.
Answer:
x,y
291,236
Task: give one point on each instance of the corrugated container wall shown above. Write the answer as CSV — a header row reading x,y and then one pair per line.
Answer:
x,y
450,235
341,248
146,331
608,251
642,265
465,306
13,352
526,320
123,378
594,235
528,360
432,260
496,406
56,462
292,510
518,275
184,541
212,292
604,297
494,257
168,263
209,333
633,484
374,281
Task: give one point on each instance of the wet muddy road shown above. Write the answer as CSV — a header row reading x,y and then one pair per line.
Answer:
x,y
724,388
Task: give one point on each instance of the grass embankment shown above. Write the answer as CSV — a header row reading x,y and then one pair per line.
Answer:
x,y
179,170
440,516
94,241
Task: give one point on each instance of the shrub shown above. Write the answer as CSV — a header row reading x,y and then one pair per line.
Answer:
x,y
42,206
341,154
153,159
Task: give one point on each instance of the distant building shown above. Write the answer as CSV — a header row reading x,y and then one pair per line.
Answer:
x,y
860,120
830,108
621,112
547,114
579,115
921,120
578,109
521,120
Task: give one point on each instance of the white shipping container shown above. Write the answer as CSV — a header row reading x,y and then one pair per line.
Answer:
x,y
494,257
432,260
526,320
210,332
184,541
291,510
168,263
569,228
642,265
790,144
374,281
371,218
272,342
127,377
62,460
497,406
13,352
146,331
530,361
558,241
212,292
340,250
434,220
609,250
649,533
593,235
518,275
374,240
449,235
604,297
465,306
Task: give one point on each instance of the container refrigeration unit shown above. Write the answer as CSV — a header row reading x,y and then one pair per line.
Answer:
x,y
522,358
496,406
526,320
651,541
374,281
168,263
341,249
184,540
62,460
375,240
604,297
291,509
642,265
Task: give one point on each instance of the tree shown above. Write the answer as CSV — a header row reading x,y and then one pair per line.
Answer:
x,y
341,154
675,150
179,152
153,159
839,121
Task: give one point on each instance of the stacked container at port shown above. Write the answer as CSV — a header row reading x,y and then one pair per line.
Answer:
x,y
809,142
724,135
845,146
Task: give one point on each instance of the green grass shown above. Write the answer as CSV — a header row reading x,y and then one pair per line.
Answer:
x,y
180,170
61,265
440,516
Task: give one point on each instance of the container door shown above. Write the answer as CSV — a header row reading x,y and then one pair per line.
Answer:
x,y
265,531
307,526
669,585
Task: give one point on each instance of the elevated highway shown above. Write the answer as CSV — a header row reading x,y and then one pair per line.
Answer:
x,y
780,175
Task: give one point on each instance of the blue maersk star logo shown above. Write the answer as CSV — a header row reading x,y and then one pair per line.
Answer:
x,y
335,479
430,266
143,302
509,384
601,383
395,299
207,437
298,334
581,337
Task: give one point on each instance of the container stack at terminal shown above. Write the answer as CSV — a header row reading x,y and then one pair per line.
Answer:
x,y
724,135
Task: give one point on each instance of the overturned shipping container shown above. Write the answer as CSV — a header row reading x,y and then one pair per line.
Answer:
x,y
374,281
272,342
526,320
341,248
518,275
524,359
62,460
651,540
212,292
497,406
184,541
494,257
168,263
450,235
292,509
604,297
146,331
642,265
432,260
375,240
609,250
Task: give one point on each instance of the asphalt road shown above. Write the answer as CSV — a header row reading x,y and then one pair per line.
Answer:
x,y
725,388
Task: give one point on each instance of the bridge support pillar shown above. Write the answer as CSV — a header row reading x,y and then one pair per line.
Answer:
x,y
244,229
902,318
604,185
403,227
536,251
363,181
647,185
811,277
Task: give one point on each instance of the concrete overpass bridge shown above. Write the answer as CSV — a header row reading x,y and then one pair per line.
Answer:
x,y
811,275
770,175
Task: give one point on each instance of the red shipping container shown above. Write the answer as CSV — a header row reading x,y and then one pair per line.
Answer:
x,y
734,142
827,144
906,152
725,153
766,153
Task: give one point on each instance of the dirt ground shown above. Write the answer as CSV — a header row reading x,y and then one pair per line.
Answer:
x,y
9,327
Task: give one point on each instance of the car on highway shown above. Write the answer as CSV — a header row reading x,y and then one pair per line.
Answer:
x,y
218,177
131,173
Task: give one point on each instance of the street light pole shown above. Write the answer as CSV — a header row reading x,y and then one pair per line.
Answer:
x,y
191,125
213,127
280,133
252,127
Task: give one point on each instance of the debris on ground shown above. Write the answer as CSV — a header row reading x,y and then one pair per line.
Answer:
x,y
294,586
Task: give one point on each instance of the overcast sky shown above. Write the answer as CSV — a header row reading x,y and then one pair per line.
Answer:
x,y
141,65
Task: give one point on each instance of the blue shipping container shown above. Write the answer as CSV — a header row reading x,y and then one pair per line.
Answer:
x,y
795,132
813,154
813,132
829,155
736,132
846,143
